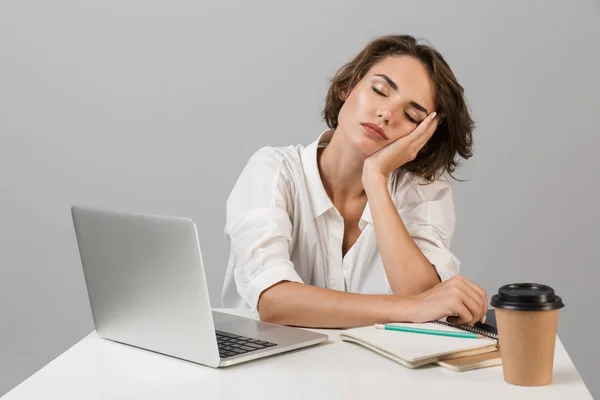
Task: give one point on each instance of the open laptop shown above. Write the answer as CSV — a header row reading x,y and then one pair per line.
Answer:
x,y
147,288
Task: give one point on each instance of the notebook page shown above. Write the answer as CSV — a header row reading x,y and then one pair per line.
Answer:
x,y
415,346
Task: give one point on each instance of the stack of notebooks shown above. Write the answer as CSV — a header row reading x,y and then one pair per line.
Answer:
x,y
416,349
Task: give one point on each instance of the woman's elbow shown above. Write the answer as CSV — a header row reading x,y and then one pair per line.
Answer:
x,y
267,308
275,304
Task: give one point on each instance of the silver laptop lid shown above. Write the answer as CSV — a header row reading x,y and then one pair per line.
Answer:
x,y
146,282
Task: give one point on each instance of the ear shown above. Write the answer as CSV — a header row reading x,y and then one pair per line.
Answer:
x,y
343,94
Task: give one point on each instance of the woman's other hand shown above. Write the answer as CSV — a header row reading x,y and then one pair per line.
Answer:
x,y
459,298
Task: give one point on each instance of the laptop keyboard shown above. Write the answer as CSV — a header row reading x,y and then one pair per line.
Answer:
x,y
232,345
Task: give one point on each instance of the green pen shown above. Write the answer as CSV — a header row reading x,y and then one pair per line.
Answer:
x,y
436,332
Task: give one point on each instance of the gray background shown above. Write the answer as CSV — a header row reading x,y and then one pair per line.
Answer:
x,y
155,106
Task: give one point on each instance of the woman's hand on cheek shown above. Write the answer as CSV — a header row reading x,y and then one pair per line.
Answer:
x,y
399,152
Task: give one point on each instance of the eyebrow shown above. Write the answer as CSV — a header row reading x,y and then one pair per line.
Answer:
x,y
395,87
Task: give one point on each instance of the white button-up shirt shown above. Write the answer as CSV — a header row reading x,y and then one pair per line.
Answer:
x,y
282,226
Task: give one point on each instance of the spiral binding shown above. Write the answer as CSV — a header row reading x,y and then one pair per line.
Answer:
x,y
469,328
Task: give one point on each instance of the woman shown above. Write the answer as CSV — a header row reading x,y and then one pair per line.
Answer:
x,y
355,229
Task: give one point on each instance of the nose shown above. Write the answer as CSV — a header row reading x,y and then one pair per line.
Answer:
x,y
385,115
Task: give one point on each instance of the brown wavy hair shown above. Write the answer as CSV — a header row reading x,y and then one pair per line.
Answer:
x,y
454,134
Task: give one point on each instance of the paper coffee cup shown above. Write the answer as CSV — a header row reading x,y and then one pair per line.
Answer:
x,y
527,318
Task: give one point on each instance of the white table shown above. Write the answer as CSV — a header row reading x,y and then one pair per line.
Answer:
x,y
96,368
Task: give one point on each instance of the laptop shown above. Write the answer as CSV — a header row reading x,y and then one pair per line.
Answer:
x,y
147,288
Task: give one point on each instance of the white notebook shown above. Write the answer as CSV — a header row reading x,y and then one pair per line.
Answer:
x,y
415,349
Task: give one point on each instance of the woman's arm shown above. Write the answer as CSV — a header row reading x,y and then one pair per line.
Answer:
x,y
407,269
293,303
298,304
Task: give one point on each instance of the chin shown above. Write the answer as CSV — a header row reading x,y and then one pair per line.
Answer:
x,y
364,145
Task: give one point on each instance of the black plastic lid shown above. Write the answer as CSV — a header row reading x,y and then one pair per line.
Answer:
x,y
526,297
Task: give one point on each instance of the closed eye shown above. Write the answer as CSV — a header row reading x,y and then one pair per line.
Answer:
x,y
410,118
378,91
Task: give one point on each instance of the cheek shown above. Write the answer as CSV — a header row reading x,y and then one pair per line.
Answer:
x,y
362,99
361,102
355,107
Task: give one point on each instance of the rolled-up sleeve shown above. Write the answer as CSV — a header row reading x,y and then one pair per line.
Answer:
x,y
427,211
259,229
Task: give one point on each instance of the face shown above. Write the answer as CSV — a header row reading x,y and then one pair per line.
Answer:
x,y
395,95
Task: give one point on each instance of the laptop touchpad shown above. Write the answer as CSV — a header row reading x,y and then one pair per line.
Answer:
x,y
232,323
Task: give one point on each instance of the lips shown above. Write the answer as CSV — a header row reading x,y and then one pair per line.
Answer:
x,y
376,130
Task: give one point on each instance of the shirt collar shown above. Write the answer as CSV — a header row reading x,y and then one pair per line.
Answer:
x,y
318,196
365,217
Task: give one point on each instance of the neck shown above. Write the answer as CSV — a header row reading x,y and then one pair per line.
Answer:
x,y
340,167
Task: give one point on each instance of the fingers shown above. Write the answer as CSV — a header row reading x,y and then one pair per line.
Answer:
x,y
466,297
424,131
419,137
481,293
472,298
462,314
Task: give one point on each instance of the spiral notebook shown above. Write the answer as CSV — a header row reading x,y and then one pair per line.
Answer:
x,y
414,350
487,329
